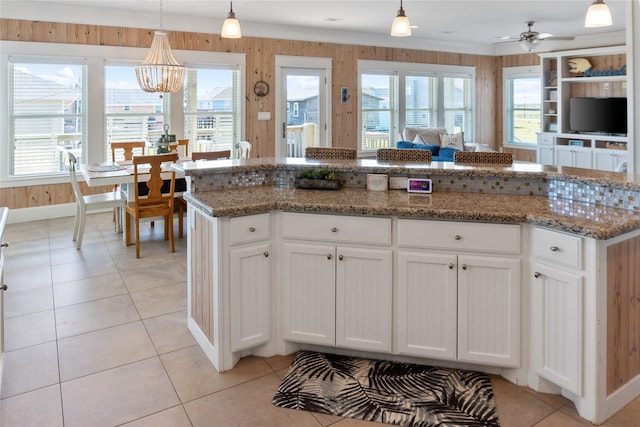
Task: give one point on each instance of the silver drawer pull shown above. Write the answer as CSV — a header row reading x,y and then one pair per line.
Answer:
x,y
554,248
334,230
537,274
252,229
451,266
457,237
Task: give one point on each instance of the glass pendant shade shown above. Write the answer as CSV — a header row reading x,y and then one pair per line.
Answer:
x,y
529,46
231,27
401,26
598,15
160,71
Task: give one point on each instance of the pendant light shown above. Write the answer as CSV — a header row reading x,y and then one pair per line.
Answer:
x,y
160,71
231,26
598,15
401,26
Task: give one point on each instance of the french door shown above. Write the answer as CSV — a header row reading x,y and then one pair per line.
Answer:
x,y
303,105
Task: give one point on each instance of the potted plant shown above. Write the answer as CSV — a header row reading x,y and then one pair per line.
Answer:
x,y
323,179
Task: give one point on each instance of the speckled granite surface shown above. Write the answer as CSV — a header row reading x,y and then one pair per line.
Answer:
x,y
583,219
585,202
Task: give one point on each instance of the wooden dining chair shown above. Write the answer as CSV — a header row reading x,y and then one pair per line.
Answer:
x,y
181,143
211,155
330,153
92,202
155,203
128,149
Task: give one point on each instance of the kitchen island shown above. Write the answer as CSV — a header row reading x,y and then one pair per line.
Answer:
x,y
526,271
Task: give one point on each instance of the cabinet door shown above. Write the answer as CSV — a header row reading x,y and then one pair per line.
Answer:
x,y
564,156
582,158
557,314
250,289
489,310
308,282
426,306
545,154
364,287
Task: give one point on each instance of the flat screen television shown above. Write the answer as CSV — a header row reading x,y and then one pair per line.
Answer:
x,y
598,115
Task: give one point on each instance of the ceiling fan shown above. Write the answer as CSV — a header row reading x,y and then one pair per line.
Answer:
x,y
529,40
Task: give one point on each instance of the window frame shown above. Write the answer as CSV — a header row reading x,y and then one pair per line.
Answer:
x,y
402,70
95,57
508,74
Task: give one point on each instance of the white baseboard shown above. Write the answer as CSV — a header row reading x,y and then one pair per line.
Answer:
x,y
41,212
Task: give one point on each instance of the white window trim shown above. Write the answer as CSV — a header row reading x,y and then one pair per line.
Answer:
x,y
95,57
402,69
509,72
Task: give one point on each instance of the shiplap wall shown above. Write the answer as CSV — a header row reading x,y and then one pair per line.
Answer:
x,y
261,66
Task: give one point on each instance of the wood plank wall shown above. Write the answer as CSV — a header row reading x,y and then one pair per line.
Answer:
x,y
261,54
623,313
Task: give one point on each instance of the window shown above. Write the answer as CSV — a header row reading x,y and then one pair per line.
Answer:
x,y
84,98
398,95
130,113
212,108
296,109
522,104
47,115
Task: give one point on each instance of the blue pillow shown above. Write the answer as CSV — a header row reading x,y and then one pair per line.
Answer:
x,y
435,149
448,152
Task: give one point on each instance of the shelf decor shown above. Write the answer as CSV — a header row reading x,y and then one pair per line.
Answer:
x,y
319,179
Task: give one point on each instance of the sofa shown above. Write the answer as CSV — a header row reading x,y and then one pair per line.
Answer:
x,y
442,145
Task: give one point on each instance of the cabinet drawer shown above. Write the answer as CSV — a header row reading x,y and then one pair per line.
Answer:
x,y
249,228
545,139
463,236
337,228
558,248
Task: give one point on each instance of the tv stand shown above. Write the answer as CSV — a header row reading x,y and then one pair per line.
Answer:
x,y
559,146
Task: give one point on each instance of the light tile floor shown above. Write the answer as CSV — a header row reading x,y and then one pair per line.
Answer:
x,y
97,337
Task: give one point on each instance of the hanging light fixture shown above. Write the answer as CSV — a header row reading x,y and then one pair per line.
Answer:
x,y
598,15
160,71
231,26
401,26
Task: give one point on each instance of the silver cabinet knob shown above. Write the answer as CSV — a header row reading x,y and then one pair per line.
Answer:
x,y
340,257
5,244
252,229
457,237
537,274
554,249
4,287
266,254
464,266
334,230
329,256
451,266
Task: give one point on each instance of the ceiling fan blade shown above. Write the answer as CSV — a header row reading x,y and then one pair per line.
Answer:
x,y
557,38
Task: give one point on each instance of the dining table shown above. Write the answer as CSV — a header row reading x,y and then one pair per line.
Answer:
x,y
121,174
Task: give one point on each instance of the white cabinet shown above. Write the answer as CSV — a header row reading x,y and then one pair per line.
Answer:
x,y
250,281
608,160
577,157
336,293
557,293
473,299
545,154
3,220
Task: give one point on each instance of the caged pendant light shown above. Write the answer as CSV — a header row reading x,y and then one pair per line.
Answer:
x,y
160,71
401,26
598,15
231,26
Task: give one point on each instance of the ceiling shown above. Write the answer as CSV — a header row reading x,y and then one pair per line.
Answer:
x,y
451,25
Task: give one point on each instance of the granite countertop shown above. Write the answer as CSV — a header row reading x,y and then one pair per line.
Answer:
x,y
616,180
583,219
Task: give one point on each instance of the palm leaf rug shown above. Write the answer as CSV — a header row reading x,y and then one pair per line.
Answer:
x,y
387,392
